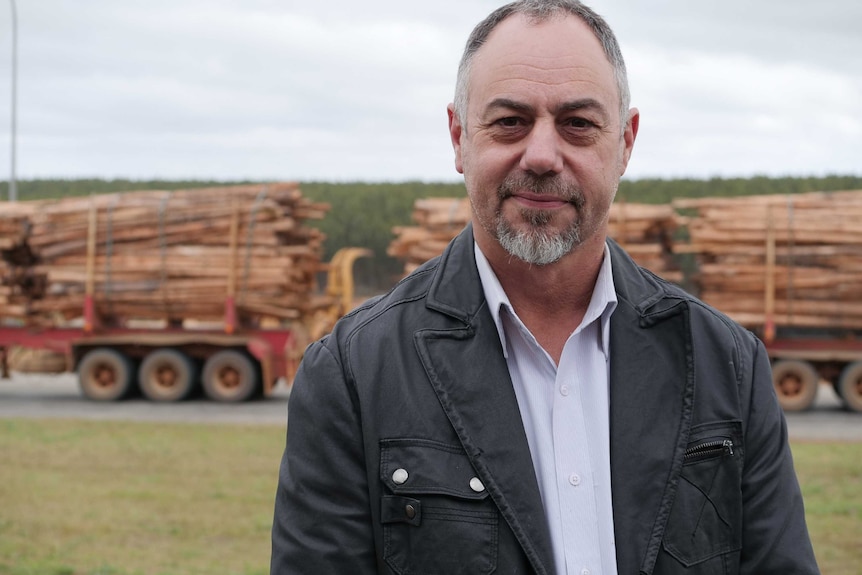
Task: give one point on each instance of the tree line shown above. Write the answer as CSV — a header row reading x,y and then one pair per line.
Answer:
x,y
363,214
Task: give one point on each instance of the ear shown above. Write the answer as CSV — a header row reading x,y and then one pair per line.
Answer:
x,y
455,133
629,136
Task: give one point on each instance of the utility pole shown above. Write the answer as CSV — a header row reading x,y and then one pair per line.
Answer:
x,y
13,188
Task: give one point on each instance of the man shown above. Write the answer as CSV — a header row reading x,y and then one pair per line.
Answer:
x,y
532,401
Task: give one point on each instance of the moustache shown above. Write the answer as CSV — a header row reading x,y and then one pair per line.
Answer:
x,y
553,185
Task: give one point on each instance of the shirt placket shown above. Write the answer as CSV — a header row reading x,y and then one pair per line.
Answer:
x,y
573,471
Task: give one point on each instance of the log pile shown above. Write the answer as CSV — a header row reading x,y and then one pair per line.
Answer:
x,y
645,231
160,255
787,260
438,221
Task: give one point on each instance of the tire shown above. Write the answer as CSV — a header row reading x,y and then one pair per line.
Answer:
x,y
167,375
850,386
836,388
795,383
230,376
105,374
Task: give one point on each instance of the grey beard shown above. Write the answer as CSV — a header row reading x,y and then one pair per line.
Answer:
x,y
537,247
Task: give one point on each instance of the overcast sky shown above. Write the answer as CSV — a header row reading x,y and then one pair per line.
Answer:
x,y
346,90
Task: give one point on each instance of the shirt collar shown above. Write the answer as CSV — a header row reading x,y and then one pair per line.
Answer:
x,y
602,303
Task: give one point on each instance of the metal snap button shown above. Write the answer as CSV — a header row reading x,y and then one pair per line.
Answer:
x,y
477,485
400,476
410,511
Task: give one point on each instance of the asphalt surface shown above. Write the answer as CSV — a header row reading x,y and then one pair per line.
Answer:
x,y
58,396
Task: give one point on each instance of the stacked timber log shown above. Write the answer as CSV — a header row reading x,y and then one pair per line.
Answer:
x,y
645,231
438,221
782,260
163,255
14,257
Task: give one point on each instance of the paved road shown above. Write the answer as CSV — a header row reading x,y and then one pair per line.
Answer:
x,y
39,396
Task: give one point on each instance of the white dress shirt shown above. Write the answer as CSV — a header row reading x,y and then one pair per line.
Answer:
x,y
565,412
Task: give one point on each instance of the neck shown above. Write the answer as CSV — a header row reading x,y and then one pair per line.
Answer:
x,y
551,300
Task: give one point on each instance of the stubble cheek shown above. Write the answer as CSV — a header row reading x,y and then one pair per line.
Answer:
x,y
483,211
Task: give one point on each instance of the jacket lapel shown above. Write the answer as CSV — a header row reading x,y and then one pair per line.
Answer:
x,y
467,369
651,398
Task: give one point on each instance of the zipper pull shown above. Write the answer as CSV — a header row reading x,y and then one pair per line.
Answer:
x,y
728,446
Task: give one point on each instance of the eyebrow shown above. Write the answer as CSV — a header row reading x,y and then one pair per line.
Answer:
x,y
584,103
508,104
571,106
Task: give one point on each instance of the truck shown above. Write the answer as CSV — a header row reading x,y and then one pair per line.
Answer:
x,y
789,268
226,361
124,291
164,365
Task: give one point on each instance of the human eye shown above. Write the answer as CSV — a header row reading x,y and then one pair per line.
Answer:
x,y
508,128
579,123
509,122
580,130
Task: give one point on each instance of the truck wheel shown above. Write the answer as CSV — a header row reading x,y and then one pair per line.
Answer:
x,y
230,376
850,386
105,374
167,375
795,384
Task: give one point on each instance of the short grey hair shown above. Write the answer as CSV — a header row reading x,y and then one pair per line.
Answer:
x,y
538,11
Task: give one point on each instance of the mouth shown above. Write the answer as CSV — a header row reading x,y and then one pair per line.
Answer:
x,y
540,193
538,201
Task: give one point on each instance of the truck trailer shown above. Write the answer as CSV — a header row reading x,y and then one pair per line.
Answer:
x,y
789,268
165,364
170,293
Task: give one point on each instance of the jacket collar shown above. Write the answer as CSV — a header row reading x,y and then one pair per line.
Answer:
x,y
456,289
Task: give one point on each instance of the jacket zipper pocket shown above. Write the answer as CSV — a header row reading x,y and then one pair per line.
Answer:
x,y
708,450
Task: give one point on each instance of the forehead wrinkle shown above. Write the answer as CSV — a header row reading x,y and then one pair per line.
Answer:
x,y
564,71
580,80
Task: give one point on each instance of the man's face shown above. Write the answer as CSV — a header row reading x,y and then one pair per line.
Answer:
x,y
541,147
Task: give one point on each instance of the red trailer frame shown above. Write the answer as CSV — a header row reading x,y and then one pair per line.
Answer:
x,y
272,353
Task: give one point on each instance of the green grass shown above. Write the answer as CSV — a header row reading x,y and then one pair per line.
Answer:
x,y
112,498
831,479
116,498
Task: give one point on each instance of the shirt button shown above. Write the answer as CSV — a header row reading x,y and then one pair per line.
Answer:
x,y
400,476
585,571
575,480
564,390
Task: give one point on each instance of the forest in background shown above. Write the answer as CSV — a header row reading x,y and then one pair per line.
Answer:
x,y
363,214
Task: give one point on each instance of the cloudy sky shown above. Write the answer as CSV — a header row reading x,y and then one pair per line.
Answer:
x,y
345,90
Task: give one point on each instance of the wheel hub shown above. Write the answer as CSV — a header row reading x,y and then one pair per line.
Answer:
x,y
790,385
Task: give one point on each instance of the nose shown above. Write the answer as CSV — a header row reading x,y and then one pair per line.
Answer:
x,y
542,154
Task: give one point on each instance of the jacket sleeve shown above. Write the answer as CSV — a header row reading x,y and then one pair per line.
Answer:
x,y
322,520
775,537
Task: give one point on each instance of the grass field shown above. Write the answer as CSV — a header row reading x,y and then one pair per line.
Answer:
x,y
114,498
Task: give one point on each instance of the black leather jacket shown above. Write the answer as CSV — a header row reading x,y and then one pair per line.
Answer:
x,y
406,453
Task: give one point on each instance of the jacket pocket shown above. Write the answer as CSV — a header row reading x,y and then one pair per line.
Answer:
x,y
705,521
437,516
